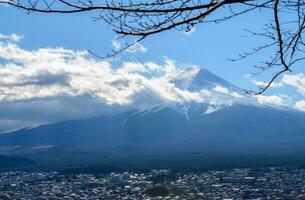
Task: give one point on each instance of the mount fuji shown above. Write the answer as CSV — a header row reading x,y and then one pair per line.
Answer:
x,y
226,120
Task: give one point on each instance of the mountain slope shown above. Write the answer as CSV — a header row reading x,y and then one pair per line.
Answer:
x,y
235,128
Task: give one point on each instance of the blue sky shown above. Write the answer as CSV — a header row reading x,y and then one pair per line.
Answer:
x,y
208,46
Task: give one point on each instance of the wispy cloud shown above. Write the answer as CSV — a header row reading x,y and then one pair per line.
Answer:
x,y
226,91
12,37
116,44
300,105
135,48
297,81
264,84
270,99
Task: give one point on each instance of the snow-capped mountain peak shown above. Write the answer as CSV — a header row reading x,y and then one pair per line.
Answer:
x,y
196,79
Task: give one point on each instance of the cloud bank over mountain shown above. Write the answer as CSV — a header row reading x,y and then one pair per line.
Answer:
x,y
57,72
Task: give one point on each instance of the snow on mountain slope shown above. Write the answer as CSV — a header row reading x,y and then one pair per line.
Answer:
x,y
196,79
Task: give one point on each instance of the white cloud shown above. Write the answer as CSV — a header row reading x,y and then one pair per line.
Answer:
x,y
226,91
135,48
271,100
13,37
221,89
237,95
300,105
211,109
116,44
132,67
264,84
297,81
